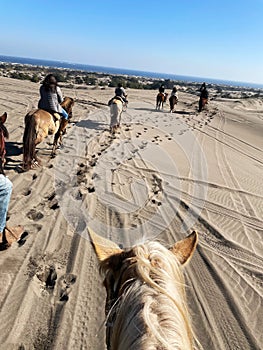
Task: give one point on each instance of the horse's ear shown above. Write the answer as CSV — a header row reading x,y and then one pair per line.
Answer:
x,y
104,248
3,118
185,248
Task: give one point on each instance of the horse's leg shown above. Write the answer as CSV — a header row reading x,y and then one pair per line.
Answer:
x,y
200,105
58,136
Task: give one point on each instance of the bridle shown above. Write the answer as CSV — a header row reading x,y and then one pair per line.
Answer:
x,y
2,149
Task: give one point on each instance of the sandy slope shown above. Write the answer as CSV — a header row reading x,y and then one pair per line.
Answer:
x,y
160,176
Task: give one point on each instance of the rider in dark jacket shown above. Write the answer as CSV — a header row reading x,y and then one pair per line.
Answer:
x,y
161,89
120,92
203,95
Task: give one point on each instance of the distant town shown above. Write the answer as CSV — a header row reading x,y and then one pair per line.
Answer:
x,y
77,78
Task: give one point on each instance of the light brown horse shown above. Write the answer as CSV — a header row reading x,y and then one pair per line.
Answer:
x,y
146,301
40,123
161,99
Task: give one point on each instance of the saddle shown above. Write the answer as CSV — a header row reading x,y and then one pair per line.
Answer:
x,y
115,98
56,116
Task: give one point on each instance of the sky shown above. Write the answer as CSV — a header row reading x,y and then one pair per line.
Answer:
x,y
201,38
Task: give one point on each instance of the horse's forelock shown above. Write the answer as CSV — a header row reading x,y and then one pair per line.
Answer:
x,y
151,270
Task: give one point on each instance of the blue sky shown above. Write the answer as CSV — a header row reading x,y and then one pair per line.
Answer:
x,y
210,38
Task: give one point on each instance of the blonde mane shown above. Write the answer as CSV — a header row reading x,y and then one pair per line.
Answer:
x,y
151,312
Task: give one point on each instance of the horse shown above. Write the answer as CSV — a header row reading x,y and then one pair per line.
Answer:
x,y
161,99
173,100
40,123
146,301
202,102
116,108
3,135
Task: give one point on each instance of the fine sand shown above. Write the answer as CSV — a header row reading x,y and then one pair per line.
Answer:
x,y
161,176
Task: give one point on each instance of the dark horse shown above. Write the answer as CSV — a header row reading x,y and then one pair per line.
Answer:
x,y
202,102
173,101
3,135
160,100
40,123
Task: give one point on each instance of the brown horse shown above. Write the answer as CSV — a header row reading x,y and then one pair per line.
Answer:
x,y
161,99
3,135
172,101
202,102
40,123
146,300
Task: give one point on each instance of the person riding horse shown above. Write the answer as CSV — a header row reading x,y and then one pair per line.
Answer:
x,y
162,89
121,93
161,97
203,97
173,99
51,97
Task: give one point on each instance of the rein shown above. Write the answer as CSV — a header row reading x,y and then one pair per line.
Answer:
x,y
2,151
2,145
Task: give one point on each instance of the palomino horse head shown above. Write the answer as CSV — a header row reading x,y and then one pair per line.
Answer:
x,y
68,104
3,135
146,300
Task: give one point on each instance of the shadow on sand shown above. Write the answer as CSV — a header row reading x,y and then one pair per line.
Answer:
x,y
91,124
145,109
13,149
182,112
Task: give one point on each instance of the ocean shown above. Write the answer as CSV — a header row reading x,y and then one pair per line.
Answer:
x,y
123,71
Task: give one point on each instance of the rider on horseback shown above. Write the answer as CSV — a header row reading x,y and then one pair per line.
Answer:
x,y
121,93
174,92
161,89
203,96
51,97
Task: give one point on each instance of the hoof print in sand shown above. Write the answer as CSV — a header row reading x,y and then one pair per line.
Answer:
x,y
34,215
65,284
48,275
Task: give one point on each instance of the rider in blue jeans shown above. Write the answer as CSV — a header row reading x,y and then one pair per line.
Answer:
x,y
8,234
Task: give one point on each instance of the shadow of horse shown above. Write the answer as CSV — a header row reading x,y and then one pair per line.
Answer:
x,y
14,148
182,112
145,109
91,124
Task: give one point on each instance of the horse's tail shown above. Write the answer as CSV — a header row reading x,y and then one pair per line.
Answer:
x,y
29,138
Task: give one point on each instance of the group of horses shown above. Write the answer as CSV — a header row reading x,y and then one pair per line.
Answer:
x,y
146,305
173,100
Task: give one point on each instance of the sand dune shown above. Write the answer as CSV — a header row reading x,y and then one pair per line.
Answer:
x,y
159,177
